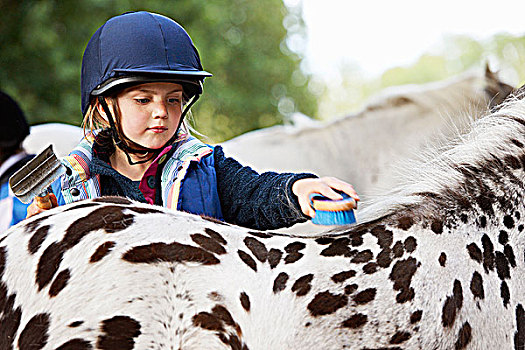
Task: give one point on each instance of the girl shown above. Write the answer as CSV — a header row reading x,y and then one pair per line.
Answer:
x,y
140,75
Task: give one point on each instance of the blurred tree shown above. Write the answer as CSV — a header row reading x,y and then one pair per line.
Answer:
x,y
256,81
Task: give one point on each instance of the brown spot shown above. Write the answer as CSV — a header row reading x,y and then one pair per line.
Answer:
x,y
49,263
442,259
398,250
399,337
339,247
512,161
232,341
324,240
294,247
410,244
384,237
274,256
483,221
292,257
452,305
508,221
401,274
208,321
416,316
37,239
215,235
517,143
118,333
355,321
245,301
474,252
257,248
208,243
76,344
34,335
325,303
280,282
356,240
343,276
488,253
216,321
112,200
101,251
215,296
303,285
384,258
224,315
502,266
59,283
509,253
108,218
247,259
464,336
293,252
505,293
365,296
349,289
75,324
362,257
405,223
172,252
370,268
503,237
437,226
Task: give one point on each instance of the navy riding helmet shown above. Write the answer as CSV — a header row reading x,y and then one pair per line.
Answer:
x,y
139,47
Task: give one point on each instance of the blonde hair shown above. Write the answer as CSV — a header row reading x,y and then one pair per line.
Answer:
x,y
93,120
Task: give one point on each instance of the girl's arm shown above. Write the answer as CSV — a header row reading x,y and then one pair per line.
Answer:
x,y
260,201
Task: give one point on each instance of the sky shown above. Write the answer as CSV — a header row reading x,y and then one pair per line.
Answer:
x,y
380,34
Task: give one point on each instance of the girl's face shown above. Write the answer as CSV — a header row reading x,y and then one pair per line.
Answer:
x,y
150,113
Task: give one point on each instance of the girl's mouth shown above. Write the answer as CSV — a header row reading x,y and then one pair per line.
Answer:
x,y
158,129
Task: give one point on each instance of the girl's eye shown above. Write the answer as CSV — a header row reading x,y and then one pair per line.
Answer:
x,y
174,100
142,100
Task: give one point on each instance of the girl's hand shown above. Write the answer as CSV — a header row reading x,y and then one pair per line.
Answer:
x,y
325,186
34,209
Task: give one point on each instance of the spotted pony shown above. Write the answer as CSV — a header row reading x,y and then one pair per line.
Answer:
x,y
438,267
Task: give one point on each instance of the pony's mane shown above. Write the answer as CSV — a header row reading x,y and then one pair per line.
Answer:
x,y
489,142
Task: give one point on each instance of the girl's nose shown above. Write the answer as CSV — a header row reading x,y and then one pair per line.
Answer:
x,y
160,110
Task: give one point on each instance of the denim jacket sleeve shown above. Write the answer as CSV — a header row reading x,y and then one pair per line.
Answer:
x,y
260,201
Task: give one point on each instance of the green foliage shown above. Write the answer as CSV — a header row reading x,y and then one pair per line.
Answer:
x,y
240,42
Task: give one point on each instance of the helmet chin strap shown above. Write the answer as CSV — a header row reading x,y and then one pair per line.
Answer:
x,y
123,144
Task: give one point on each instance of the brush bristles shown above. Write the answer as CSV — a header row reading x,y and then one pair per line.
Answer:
x,y
334,217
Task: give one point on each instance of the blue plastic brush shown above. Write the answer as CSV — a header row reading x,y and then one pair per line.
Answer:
x,y
333,212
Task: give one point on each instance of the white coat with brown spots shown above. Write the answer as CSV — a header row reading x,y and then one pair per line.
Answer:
x,y
441,268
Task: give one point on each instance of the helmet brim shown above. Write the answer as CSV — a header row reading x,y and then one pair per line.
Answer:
x,y
132,77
